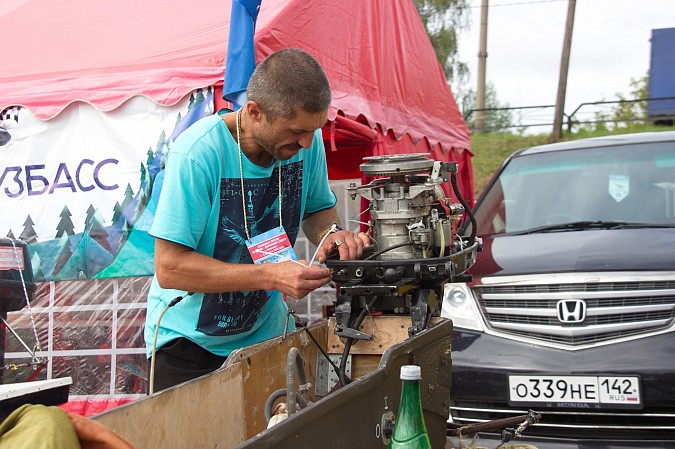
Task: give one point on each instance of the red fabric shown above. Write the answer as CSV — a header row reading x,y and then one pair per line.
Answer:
x,y
378,58
106,52
356,141
90,407
380,64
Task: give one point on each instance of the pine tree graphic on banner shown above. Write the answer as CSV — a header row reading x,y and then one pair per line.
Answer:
x,y
28,235
128,198
90,214
145,185
65,225
179,117
116,236
151,156
117,212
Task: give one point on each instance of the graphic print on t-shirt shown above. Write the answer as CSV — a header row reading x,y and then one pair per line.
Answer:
x,y
231,313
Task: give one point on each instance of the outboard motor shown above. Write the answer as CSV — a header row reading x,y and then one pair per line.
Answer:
x,y
416,250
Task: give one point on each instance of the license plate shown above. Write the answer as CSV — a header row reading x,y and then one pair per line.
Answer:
x,y
604,390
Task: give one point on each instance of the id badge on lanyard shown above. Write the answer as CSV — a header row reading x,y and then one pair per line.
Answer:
x,y
272,246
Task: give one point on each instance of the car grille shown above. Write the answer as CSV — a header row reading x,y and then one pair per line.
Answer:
x,y
652,424
618,305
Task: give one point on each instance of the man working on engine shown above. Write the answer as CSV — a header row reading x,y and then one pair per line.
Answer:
x,y
234,183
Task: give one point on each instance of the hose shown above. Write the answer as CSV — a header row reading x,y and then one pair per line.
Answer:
x,y
467,208
174,301
294,363
280,393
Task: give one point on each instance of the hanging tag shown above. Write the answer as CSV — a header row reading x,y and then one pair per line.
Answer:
x,y
272,246
9,259
619,187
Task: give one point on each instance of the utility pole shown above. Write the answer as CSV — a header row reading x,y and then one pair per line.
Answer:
x,y
564,68
479,127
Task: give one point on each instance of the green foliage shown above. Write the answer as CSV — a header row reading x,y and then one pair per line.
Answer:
x,y
497,120
630,112
443,19
623,114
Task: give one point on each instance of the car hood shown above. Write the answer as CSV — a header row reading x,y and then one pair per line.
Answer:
x,y
574,251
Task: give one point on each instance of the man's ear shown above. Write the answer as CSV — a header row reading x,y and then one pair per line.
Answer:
x,y
254,111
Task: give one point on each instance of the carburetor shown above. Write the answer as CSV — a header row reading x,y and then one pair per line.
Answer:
x,y
415,248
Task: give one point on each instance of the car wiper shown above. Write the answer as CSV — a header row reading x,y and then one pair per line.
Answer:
x,y
645,225
589,224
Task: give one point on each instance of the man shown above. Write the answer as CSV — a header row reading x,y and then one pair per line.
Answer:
x,y
230,179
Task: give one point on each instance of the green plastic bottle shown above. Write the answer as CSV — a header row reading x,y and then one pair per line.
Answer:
x,y
410,432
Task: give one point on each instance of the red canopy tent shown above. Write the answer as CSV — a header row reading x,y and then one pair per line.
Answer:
x,y
389,93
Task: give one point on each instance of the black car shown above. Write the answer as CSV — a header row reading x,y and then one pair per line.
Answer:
x,y
571,308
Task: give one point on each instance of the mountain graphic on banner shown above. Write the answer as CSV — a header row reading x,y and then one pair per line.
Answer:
x,y
88,258
63,255
46,256
136,257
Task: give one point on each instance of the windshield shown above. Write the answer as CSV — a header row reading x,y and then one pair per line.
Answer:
x,y
626,183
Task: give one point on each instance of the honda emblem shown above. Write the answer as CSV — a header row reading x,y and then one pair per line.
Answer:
x,y
571,310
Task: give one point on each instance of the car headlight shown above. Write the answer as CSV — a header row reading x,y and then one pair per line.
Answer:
x,y
460,306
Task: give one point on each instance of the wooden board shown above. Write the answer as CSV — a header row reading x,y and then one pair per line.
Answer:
x,y
387,330
265,369
210,407
219,410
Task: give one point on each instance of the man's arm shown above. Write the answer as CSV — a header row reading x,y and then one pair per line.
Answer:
x,y
179,267
349,245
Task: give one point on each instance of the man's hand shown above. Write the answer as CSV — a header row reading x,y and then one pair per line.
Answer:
x,y
94,435
297,280
346,243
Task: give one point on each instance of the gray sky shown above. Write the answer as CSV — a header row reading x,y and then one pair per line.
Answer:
x,y
610,45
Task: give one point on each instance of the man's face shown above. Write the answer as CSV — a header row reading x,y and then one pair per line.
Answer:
x,y
284,137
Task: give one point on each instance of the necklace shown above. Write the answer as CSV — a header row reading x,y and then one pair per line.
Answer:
x,y
241,175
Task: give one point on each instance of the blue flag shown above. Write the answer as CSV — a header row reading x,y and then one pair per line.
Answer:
x,y
240,52
195,112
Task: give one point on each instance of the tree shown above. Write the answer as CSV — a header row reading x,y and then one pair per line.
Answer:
x,y
631,111
443,19
497,119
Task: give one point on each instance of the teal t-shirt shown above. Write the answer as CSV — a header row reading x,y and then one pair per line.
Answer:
x,y
200,206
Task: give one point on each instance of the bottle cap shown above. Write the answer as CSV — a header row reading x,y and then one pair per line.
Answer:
x,y
411,372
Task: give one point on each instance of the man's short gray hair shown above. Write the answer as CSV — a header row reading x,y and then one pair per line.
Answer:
x,y
287,81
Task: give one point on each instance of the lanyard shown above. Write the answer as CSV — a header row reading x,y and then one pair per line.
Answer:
x,y
241,174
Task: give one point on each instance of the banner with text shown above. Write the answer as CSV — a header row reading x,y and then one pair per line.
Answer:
x,y
81,189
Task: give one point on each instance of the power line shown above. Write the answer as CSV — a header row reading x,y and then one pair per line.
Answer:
x,y
515,4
